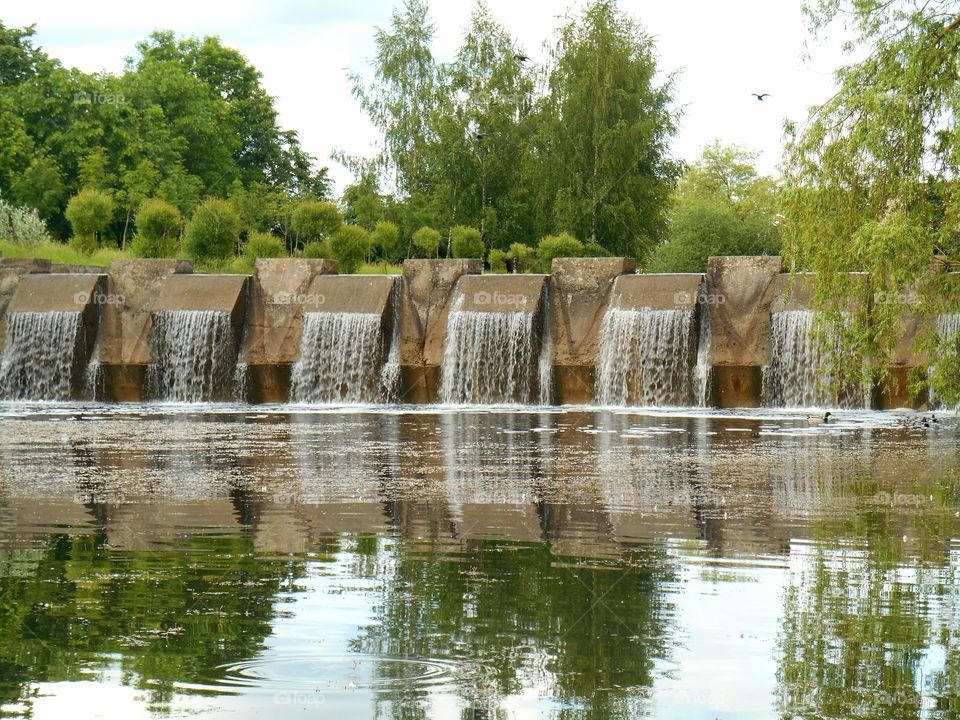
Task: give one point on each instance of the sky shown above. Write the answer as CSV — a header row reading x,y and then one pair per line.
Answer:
x,y
721,52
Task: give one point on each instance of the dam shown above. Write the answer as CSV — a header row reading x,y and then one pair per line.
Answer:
x,y
593,331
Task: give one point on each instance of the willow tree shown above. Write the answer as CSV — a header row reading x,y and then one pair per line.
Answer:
x,y
872,179
605,134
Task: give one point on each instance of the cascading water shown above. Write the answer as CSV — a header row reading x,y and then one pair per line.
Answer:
x,y
42,355
341,358
798,374
646,357
948,328
390,375
489,357
194,356
702,370
545,366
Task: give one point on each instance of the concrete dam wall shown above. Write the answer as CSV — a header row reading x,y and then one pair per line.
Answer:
x,y
593,331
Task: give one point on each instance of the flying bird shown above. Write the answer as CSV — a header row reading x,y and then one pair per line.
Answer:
x,y
521,58
761,96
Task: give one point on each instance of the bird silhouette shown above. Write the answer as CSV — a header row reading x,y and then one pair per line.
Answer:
x,y
480,135
761,96
519,57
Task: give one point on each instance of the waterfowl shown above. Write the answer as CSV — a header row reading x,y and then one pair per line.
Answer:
x,y
817,420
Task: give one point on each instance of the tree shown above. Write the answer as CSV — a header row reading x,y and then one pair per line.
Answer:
x,y
603,137
554,246
315,221
871,180
349,246
721,207
386,237
89,212
497,259
467,242
427,240
213,231
522,257
158,229
262,245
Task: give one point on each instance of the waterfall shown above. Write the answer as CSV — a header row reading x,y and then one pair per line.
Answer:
x,y
798,374
646,357
702,370
42,354
194,354
390,375
341,358
545,368
948,328
489,357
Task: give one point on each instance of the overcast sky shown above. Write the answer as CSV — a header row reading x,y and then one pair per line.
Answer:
x,y
723,52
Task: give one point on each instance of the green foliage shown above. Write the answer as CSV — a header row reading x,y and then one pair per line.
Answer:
x,y
317,251
523,257
497,260
386,237
871,176
315,221
592,249
349,245
158,229
213,231
427,241
466,242
554,246
22,226
61,253
264,245
89,212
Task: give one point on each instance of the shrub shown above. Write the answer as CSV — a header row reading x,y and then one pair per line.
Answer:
x,y
22,226
349,245
497,260
213,231
158,228
313,220
554,246
386,236
523,257
264,245
467,242
592,249
89,213
427,240
317,251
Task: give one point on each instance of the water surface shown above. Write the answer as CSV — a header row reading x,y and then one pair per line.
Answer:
x,y
359,562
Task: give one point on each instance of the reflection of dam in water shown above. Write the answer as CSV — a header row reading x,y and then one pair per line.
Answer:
x,y
593,331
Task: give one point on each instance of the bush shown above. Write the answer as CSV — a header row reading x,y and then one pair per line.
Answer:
x,y
592,249
158,228
317,251
264,245
386,236
349,246
22,226
554,246
467,242
427,240
313,220
523,257
89,212
497,260
213,231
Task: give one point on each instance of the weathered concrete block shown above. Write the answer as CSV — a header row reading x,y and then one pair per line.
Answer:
x,y
579,296
424,305
500,293
133,287
668,291
218,293
368,294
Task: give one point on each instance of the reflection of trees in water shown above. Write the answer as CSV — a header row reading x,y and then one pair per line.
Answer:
x,y
515,617
170,617
871,614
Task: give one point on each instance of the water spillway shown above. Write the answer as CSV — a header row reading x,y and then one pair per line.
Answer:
x,y
647,353
44,352
491,351
194,356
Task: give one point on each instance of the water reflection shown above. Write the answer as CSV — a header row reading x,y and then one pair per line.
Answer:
x,y
477,563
